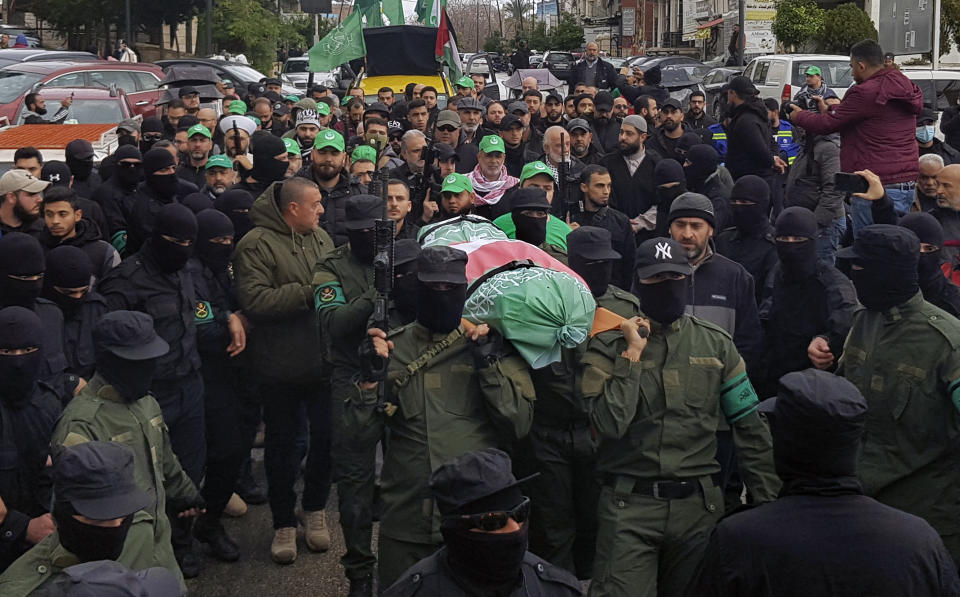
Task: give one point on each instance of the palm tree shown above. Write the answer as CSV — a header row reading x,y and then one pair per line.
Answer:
x,y
516,10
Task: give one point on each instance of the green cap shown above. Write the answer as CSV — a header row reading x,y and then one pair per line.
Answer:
x,y
323,109
491,144
293,148
219,161
199,129
227,84
466,81
291,98
328,138
456,183
364,152
814,70
533,169
237,107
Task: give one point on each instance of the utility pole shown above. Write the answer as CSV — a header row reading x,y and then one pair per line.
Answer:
x,y
127,32
936,34
742,39
209,27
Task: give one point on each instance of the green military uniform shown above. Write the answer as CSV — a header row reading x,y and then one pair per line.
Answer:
x,y
906,363
562,448
657,421
555,251
344,299
445,407
41,564
98,413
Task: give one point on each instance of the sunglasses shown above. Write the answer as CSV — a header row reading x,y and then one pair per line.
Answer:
x,y
446,128
490,521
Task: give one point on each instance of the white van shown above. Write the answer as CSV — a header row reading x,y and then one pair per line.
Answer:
x,y
781,76
940,89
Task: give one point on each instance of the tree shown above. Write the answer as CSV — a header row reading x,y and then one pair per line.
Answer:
x,y
245,26
844,26
797,22
949,24
516,11
568,34
495,43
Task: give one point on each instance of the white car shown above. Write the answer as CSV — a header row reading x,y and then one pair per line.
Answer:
x,y
296,73
781,76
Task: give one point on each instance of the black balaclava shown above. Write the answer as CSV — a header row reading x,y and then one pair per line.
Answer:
x,y
817,426
86,541
596,273
176,221
529,229
266,168
164,185
67,267
405,283
80,167
362,244
149,126
197,202
930,232
440,310
889,275
128,178
236,204
798,261
668,171
131,379
750,220
20,255
664,302
19,328
704,160
214,224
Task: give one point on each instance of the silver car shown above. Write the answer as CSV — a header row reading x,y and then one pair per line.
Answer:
x,y
295,72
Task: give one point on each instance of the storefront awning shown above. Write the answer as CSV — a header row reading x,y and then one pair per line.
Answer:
x,y
711,23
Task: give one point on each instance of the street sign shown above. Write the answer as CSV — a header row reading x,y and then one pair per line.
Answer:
x,y
906,26
628,22
316,6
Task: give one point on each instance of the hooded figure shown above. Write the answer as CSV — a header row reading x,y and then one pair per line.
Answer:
x,y
116,195
822,527
704,176
79,157
158,189
151,131
173,239
936,288
750,241
671,183
267,168
236,204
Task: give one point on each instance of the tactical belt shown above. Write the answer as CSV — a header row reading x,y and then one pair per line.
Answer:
x,y
423,360
661,490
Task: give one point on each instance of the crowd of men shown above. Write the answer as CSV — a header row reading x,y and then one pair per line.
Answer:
x,y
216,273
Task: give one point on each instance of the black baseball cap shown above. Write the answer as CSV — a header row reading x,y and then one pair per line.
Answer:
x,y
892,245
442,264
188,90
57,173
670,103
529,197
272,81
467,483
927,115
743,86
362,211
659,255
445,152
579,123
591,243
510,120
80,149
378,107
603,101
96,479
129,335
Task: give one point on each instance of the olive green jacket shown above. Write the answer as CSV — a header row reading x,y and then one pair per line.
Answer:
x,y
446,408
906,363
658,418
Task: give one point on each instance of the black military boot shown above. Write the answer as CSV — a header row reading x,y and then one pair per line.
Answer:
x,y
248,488
361,587
211,532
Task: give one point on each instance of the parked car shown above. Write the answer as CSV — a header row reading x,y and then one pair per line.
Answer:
x,y
781,76
91,105
296,73
561,64
138,80
536,60
680,84
648,62
483,64
615,61
941,89
16,55
241,74
713,81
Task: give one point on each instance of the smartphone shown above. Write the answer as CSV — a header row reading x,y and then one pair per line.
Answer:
x,y
850,183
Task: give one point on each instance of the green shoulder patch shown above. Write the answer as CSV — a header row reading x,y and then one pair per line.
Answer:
x,y
328,295
203,313
954,391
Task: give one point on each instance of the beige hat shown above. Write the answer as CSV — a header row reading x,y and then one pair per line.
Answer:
x,y
21,180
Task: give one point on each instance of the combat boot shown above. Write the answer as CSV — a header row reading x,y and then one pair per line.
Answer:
x,y
283,550
316,534
361,587
211,532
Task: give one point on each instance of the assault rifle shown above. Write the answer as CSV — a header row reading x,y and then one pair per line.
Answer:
x,y
384,231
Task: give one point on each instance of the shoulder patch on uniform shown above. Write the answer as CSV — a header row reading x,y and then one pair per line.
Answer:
x,y
73,439
328,295
203,312
946,324
710,325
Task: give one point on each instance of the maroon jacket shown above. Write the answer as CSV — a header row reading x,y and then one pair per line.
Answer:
x,y
877,121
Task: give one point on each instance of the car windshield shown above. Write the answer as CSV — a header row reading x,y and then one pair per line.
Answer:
x,y
836,73
296,66
13,84
91,111
559,57
242,72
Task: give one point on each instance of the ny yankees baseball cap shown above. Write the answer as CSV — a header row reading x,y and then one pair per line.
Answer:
x,y
659,255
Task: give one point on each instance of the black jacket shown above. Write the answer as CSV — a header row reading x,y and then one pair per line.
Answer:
x,y
432,576
78,335
85,188
605,76
633,195
54,369
950,125
946,151
593,156
192,175
698,124
748,140
721,292
25,431
757,254
117,204
622,239
102,255
146,205
137,284
794,312
214,292
663,146
606,135
334,215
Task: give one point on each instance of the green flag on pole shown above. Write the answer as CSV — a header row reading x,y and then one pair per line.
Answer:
x,y
393,10
342,44
428,11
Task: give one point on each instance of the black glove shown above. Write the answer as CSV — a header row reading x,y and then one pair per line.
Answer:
x,y
488,349
181,505
373,367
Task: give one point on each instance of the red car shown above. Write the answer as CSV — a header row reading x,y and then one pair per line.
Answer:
x,y
91,105
137,80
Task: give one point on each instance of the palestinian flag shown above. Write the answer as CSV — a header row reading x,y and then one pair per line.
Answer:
x,y
446,48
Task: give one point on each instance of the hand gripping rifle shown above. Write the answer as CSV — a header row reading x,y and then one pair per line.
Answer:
x,y
423,180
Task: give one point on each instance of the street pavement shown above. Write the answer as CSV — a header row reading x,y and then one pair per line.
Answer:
x,y
255,574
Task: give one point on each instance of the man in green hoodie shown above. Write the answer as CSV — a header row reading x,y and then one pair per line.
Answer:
x,y
274,266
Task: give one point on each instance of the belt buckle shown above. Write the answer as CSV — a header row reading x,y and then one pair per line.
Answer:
x,y
656,490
